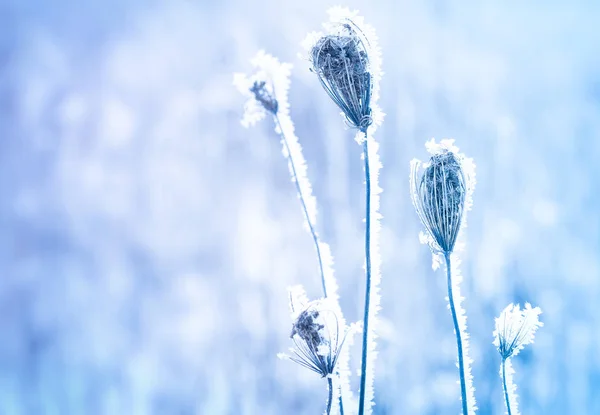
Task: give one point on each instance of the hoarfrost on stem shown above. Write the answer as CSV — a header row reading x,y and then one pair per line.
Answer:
x,y
442,195
347,61
267,92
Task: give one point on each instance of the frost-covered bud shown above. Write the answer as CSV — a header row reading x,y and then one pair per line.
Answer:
x,y
516,328
441,195
341,62
316,332
266,88
264,96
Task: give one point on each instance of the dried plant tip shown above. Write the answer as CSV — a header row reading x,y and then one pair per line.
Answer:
x,y
317,334
442,195
308,329
264,97
266,88
341,62
516,328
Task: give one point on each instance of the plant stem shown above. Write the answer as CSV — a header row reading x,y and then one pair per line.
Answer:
x,y
363,369
504,386
340,400
330,398
304,208
461,368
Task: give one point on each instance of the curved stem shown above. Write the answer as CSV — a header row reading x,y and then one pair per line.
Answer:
x,y
302,201
461,367
504,387
330,398
363,369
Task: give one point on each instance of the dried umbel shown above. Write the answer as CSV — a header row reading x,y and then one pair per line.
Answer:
x,y
516,328
441,194
316,332
341,61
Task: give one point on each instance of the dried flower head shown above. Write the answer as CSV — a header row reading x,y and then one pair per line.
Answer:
x,y
516,328
347,63
316,332
264,96
266,89
442,194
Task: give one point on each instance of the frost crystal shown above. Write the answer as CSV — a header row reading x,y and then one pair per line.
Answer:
x,y
516,328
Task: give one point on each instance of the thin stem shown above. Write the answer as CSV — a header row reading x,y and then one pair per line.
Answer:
x,y
304,208
363,369
330,398
461,367
504,386
340,400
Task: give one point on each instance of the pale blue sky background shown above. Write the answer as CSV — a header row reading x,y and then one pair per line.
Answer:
x,y
147,239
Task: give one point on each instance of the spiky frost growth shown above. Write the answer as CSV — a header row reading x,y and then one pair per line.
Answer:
x,y
347,61
442,195
319,336
515,328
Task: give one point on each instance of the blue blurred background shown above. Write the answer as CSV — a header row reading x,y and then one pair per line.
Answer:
x,y
147,239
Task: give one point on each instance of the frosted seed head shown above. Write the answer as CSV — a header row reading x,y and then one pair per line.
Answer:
x,y
442,191
316,333
442,194
515,328
340,60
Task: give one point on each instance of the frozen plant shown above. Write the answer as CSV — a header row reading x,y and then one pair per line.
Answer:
x,y
515,328
318,337
442,195
346,60
267,92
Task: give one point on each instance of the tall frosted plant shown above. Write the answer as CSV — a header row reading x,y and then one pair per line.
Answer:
x,y
442,195
318,339
347,61
267,92
515,328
